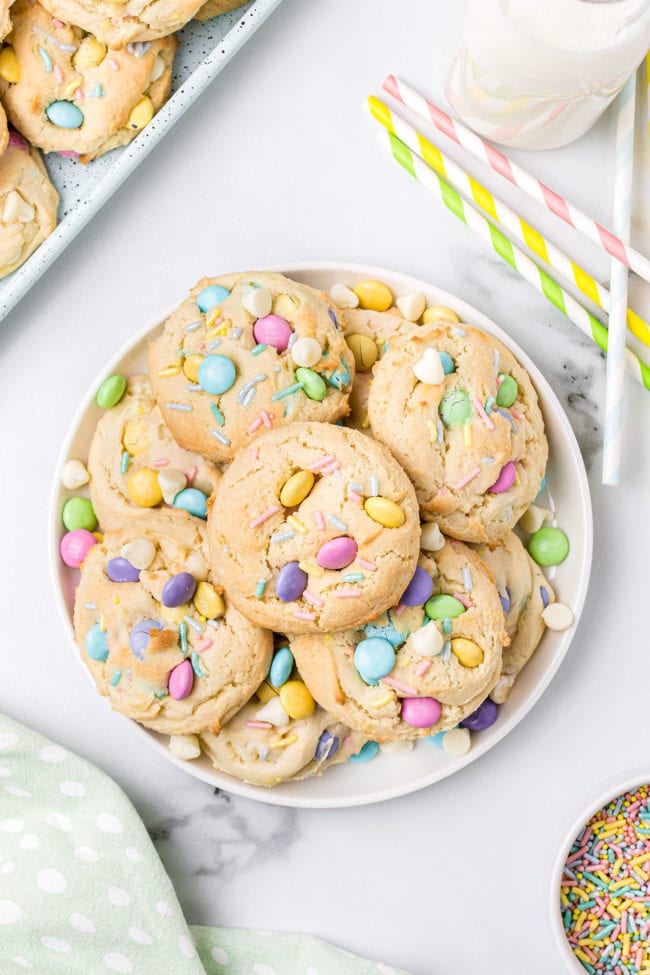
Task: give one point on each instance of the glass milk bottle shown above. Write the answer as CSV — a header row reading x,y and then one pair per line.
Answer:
x,y
538,73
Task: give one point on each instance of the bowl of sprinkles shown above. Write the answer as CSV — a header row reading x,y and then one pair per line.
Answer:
x,y
600,896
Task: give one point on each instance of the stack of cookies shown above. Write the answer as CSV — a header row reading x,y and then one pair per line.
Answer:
x,y
77,77
303,561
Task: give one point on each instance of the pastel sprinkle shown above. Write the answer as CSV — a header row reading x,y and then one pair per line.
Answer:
x,y
489,403
46,59
196,665
288,391
353,496
467,578
255,425
303,614
221,437
181,407
267,419
441,431
248,387
113,65
354,577
467,435
331,468
297,525
116,678
320,521
466,479
517,415
423,668
182,632
282,537
400,686
467,603
356,487
259,590
204,644
374,486
346,593
323,462
365,564
190,622
258,348
58,74
260,519
217,414
214,345
124,465
266,725
311,598
311,569
480,409
333,520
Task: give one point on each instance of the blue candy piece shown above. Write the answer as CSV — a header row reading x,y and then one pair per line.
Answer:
x,y
140,635
96,643
178,590
368,751
281,667
192,500
447,363
327,747
216,374
65,115
389,632
121,570
435,740
374,658
542,486
419,589
505,600
211,296
290,582
544,594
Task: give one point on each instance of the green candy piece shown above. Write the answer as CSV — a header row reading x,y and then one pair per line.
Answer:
x,y
507,392
548,546
111,391
455,408
443,607
312,385
79,513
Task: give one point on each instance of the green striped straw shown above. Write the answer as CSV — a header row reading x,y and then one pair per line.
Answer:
x,y
441,190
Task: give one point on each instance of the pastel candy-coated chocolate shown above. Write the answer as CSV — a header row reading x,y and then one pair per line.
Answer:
x,y
211,296
74,546
385,512
121,570
374,658
111,391
290,582
447,363
364,351
420,712
507,391
181,680
296,488
143,488
328,745
208,601
272,330
548,546
178,590
65,115
443,607
96,643
484,716
543,592
505,480
297,700
337,553
366,752
455,408
419,588
140,635
281,667
313,385
374,295
79,513
505,600
216,374
468,653
194,501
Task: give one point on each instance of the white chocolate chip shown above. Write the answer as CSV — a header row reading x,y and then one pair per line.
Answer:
x,y
195,565
305,352
74,475
557,616
16,208
171,482
274,713
185,747
393,747
343,297
428,640
411,306
158,68
140,552
457,742
533,518
258,302
429,368
431,538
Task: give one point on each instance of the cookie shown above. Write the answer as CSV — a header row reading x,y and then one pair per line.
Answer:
x,y
124,21
5,19
136,467
462,417
73,94
159,635
524,592
215,7
4,131
314,529
246,352
28,204
422,667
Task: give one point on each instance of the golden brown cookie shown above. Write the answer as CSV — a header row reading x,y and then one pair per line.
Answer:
x,y
213,8
28,204
124,21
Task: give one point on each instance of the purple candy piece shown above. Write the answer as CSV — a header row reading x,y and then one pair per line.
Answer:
x,y
290,582
505,480
420,712
337,553
140,635
484,716
419,589
121,570
180,681
545,597
505,600
178,590
333,317
327,746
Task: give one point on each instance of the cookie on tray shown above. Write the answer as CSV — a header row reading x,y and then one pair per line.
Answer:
x,y
5,23
159,634
423,666
4,131
314,529
28,203
462,417
246,352
136,467
524,592
74,95
213,8
124,21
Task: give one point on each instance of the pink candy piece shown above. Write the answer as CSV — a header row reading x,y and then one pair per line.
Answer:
x,y
180,681
420,712
272,330
337,553
17,141
74,546
505,480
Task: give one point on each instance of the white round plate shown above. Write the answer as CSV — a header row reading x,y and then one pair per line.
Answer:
x,y
386,776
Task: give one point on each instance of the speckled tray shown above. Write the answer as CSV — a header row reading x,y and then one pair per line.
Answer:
x,y
204,50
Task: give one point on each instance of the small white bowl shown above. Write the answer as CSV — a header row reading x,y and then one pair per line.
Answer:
x,y
599,796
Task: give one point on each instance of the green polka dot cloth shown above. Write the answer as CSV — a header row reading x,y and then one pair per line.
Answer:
x,y
83,892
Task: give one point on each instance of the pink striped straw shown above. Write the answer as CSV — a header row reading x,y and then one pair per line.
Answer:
x,y
505,167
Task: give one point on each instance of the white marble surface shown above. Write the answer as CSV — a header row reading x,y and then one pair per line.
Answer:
x,y
277,162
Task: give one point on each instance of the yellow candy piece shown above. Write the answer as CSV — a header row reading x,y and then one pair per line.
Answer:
x,y
208,601
141,113
285,306
266,693
373,295
467,652
135,437
174,614
364,351
438,313
70,89
90,53
191,367
9,67
143,488
296,488
385,512
296,700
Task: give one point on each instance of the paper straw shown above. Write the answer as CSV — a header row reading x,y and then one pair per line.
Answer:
x,y
534,188
502,213
615,382
452,200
